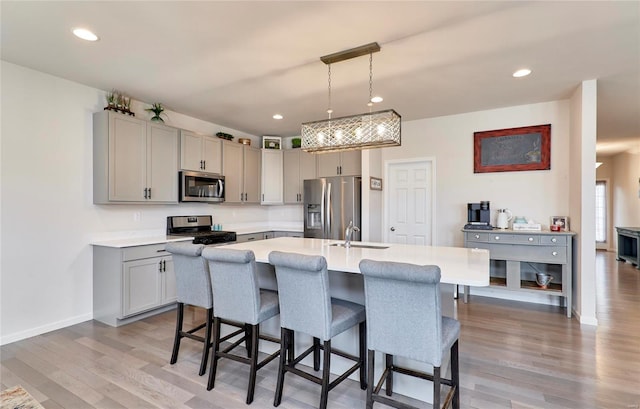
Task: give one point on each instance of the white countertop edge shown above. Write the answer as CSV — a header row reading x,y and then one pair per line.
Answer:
x,y
138,241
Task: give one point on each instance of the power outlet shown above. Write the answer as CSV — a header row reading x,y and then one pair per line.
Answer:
x,y
137,216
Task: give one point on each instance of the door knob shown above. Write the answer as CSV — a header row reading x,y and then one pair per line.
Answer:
x,y
393,229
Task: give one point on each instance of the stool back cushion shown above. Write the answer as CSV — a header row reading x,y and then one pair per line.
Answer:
x,y
193,283
236,294
403,309
303,291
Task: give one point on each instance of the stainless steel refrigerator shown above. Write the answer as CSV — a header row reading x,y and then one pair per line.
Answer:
x,y
330,204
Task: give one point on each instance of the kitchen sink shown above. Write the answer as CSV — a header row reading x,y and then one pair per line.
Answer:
x,y
360,246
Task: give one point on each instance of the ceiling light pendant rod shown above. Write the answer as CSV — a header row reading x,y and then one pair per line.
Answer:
x,y
329,109
370,103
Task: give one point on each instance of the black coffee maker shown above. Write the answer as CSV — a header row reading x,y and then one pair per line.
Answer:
x,y
478,216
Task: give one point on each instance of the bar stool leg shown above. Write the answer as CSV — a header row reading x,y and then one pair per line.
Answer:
x,y
292,347
436,387
178,336
316,354
370,370
388,364
207,342
253,356
326,366
455,375
214,359
247,339
362,340
284,348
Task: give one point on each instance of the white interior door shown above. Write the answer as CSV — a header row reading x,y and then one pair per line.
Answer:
x,y
409,202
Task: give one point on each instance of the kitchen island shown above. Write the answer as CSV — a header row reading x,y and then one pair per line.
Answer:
x,y
459,266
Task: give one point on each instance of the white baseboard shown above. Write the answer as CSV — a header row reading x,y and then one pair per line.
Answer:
x,y
585,320
32,332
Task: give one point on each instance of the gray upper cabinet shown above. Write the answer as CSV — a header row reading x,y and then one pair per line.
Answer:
x,y
347,163
298,166
241,169
200,153
135,161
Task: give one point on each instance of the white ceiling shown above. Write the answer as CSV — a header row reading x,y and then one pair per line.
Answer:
x,y
237,63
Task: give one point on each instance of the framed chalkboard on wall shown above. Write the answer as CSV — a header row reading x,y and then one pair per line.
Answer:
x,y
513,149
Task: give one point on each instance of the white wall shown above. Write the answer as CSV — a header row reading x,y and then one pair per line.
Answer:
x,y
622,172
626,189
48,217
449,139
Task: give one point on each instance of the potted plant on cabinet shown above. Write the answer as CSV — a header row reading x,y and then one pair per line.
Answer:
x,y
157,110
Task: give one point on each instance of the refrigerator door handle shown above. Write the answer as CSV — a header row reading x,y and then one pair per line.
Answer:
x,y
328,212
323,219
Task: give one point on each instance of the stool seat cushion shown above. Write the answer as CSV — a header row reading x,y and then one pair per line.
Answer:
x,y
345,314
269,306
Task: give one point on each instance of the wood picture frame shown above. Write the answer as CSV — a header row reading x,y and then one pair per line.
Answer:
x,y
375,183
512,149
561,221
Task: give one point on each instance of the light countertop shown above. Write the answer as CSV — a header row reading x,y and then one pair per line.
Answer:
x,y
458,265
139,241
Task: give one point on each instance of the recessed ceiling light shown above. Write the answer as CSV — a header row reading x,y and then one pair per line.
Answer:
x,y
522,73
277,116
376,99
85,34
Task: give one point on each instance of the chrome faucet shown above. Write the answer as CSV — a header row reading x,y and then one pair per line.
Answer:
x,y
348,233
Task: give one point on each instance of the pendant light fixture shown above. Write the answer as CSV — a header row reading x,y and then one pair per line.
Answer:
x,y
368,130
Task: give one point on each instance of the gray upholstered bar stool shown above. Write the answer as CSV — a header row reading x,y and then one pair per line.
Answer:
x,y
237,297
404,318
306,306
193,287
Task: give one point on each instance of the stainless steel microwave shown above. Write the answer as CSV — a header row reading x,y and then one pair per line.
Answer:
x,y
201,187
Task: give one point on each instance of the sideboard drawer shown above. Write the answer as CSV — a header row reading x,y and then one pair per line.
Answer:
x,y
526,239
481,237
502,238
536,254
553,240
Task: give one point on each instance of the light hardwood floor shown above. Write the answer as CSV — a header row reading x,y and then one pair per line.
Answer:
x,y
512,355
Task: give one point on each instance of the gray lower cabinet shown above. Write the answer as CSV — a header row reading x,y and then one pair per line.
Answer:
x,y
243,238
517,256
131,283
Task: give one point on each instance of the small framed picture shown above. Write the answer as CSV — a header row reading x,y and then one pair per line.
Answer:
x,y
271,142
559,223
375,183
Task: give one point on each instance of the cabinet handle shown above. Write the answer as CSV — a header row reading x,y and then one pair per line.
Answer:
x,y
241,196
477,236
164,265
145,192
530,238
553,240
160,266
251,238
554,253
201,165
149,194
204,164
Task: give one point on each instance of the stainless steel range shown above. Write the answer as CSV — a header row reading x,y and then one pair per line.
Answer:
x,y
198,227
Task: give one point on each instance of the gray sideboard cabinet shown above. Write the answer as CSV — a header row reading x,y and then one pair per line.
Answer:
x,y
629,245
130,283
516,257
